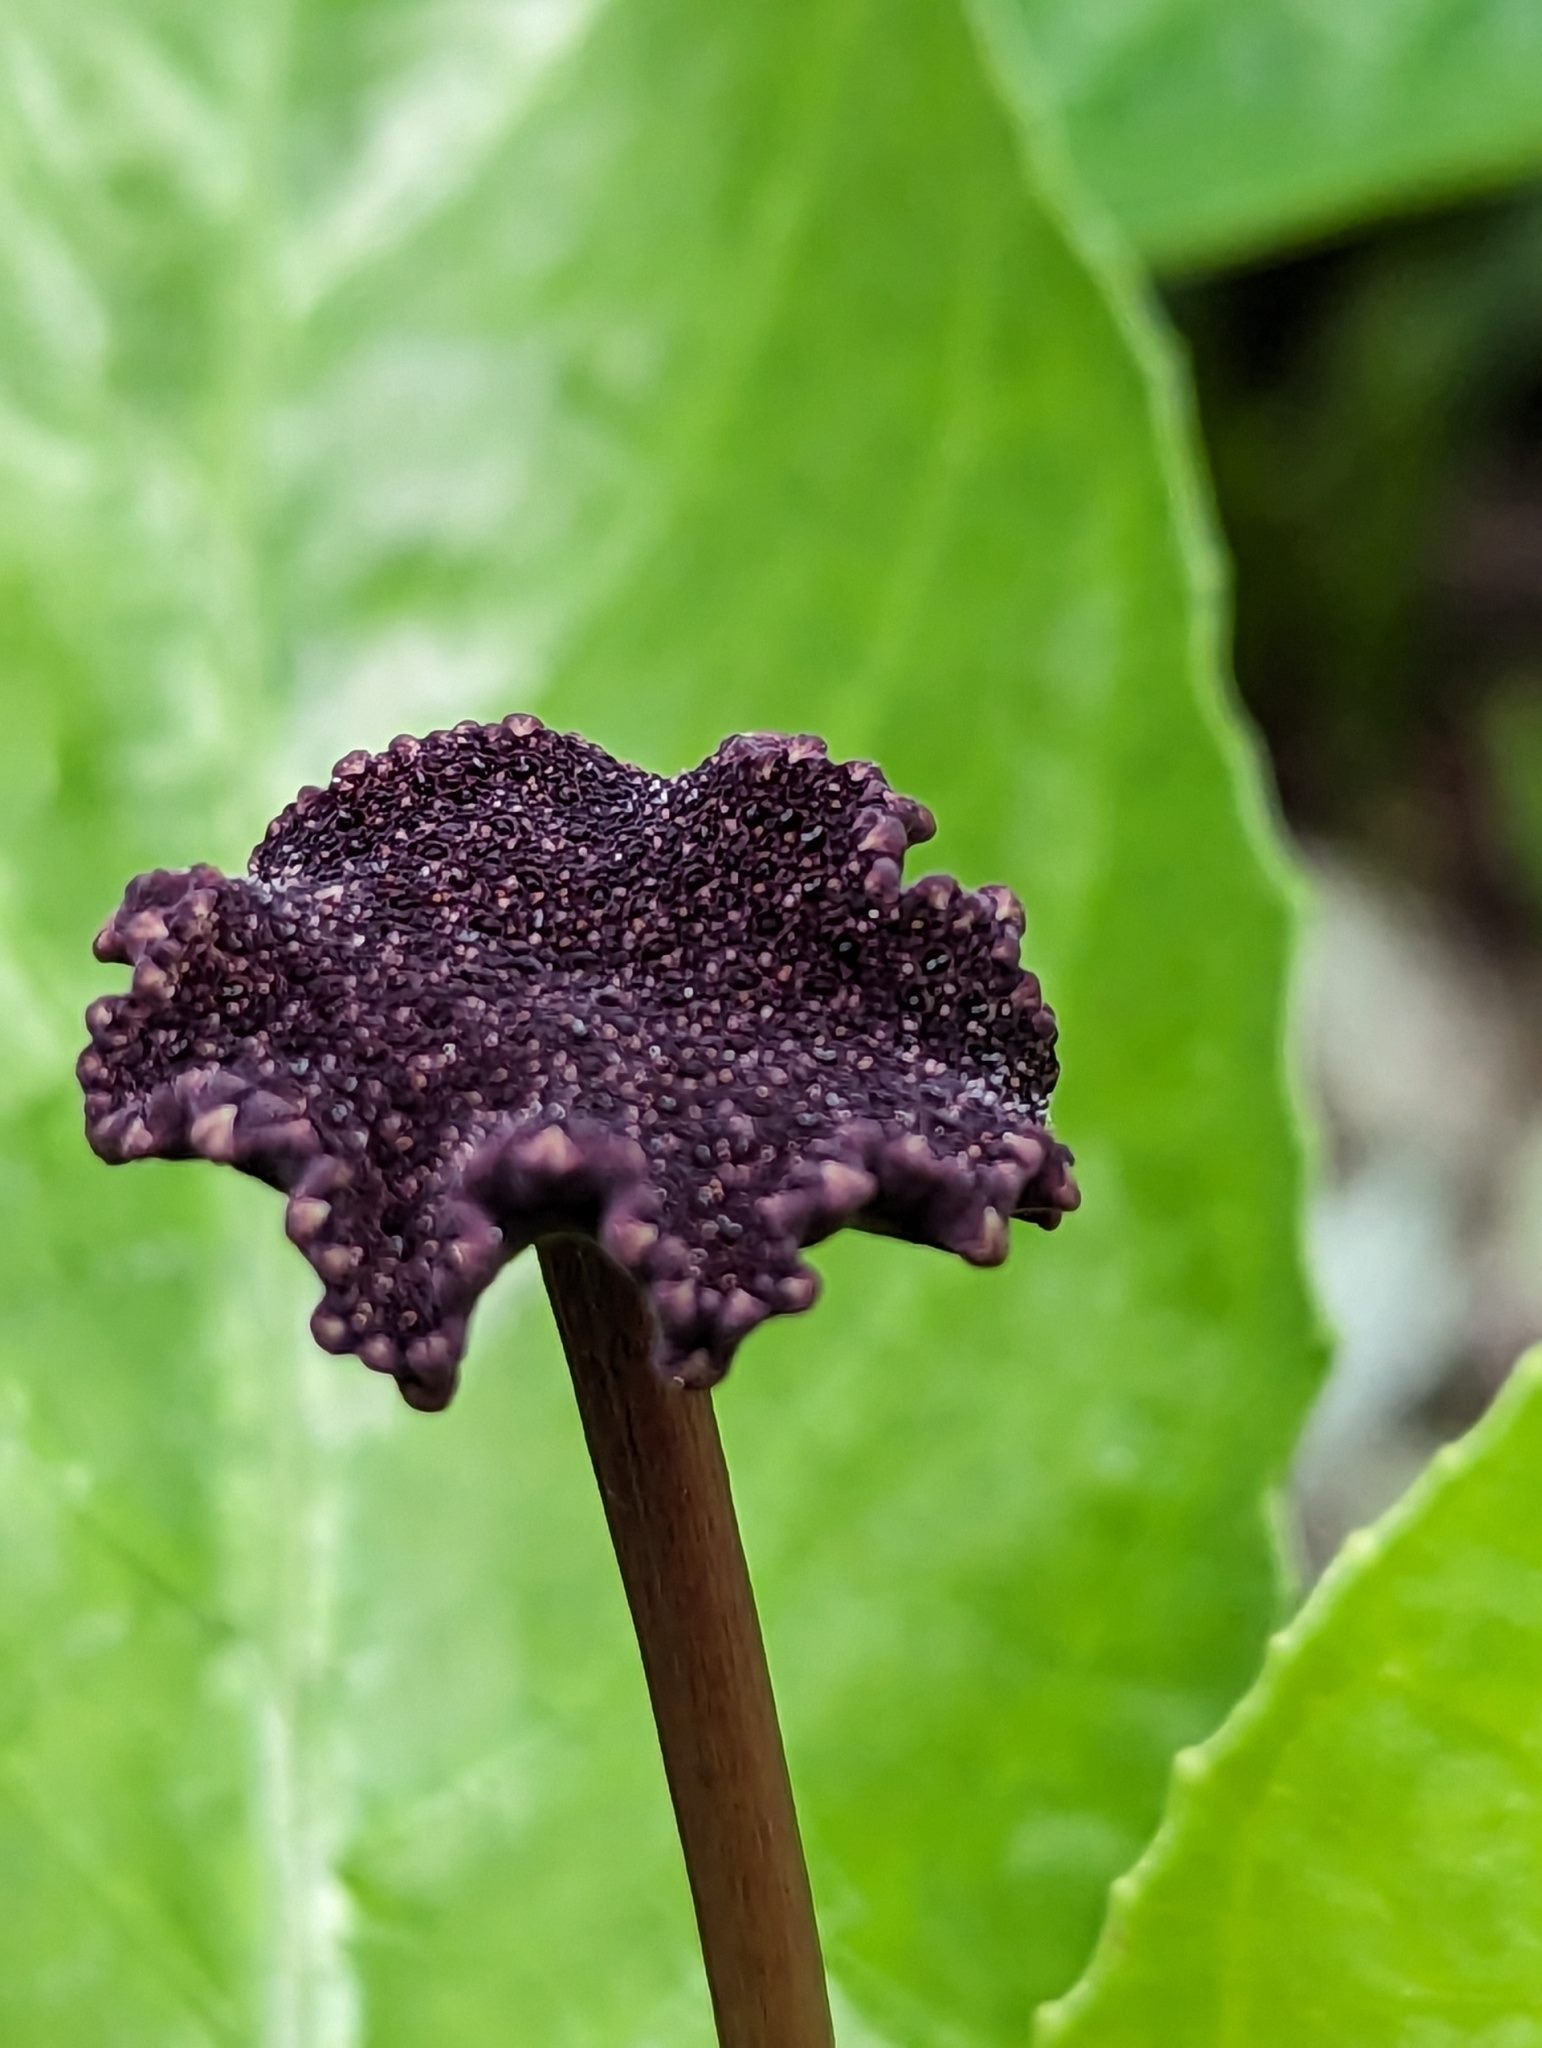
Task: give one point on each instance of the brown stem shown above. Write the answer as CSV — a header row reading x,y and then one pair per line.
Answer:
x,y
662,1478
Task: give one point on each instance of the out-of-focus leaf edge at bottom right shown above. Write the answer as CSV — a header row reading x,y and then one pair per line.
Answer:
x,y
1351,1858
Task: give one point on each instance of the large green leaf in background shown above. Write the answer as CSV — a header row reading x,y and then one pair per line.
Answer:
x,y
673,367
1354,1858
1216,128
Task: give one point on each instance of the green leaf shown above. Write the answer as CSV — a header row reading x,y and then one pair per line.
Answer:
x,y
1353,1857
1214,129
670,368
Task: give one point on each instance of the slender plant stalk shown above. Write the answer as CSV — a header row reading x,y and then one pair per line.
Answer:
x,y
662,1478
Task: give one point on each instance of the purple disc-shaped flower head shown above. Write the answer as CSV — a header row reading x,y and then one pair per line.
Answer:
x,y
494,985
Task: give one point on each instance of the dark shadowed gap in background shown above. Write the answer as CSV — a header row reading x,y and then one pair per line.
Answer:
x,y
1372,412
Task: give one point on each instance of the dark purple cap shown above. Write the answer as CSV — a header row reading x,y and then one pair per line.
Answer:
x,y
493,985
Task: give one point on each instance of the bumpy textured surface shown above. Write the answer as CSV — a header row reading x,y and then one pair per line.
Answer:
x,y
494,984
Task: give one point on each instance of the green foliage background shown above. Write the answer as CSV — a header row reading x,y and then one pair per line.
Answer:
x,y
1351,1858
668,369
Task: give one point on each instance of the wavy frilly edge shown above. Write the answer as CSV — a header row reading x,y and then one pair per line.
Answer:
x,y
534,1177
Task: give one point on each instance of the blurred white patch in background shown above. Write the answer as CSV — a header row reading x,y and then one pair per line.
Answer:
x,y
1425,1237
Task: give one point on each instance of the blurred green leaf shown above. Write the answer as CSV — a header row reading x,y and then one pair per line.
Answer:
x,y
672,368
1511,738
1215,129
1352,1858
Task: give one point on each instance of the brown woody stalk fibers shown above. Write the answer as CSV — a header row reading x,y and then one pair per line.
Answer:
x,y
659,1464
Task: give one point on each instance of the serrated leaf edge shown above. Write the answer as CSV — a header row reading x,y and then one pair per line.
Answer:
x,y
1194,1769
